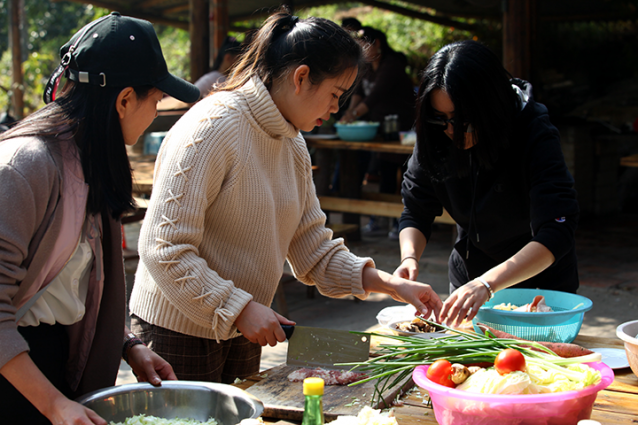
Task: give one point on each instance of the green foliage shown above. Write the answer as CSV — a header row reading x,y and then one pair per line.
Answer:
x,y
176,48
416,38
49,25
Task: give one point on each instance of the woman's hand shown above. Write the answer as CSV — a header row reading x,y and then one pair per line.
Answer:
x,y
25,376
464,303
408,269
148,366
68,412
261,325
420,295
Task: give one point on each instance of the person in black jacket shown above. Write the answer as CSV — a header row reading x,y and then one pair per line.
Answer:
x,y
488,154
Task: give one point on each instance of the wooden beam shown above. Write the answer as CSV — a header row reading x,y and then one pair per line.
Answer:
x,y
219,26
519,37
149,3
420,15
200,39
129,11
176,9
17,85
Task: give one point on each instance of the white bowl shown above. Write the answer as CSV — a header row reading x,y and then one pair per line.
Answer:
x,y
628,332
394,327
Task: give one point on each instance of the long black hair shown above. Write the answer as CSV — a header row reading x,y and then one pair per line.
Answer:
x,y
285,42
481,91
88,112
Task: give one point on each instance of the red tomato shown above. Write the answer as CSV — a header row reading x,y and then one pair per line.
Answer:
x,y
440,372
509,360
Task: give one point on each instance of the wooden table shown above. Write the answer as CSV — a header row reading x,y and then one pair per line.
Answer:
x,y
143,167
372,146
618,404
629,161
352,201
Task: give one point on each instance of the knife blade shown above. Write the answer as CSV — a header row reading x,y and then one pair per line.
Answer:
x,y
321,347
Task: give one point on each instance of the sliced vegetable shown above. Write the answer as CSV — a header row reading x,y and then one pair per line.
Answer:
x,y
509,360
441,372
536,380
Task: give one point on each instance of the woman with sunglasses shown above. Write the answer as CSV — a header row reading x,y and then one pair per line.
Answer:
x,y
487,152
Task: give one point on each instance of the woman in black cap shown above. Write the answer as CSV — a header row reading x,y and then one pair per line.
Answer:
x,y
66,181
487,152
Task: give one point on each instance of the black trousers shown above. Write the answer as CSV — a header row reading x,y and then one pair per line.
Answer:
x,y
49,346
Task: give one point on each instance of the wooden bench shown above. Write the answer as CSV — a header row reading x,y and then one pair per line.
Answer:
x,y
629,161
379,204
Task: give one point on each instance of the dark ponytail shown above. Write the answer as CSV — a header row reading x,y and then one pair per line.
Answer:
x,y
285,42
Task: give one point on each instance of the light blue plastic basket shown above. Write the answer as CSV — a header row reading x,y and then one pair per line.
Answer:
x,y
561,325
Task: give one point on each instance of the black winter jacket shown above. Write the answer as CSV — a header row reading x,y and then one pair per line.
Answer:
x,y
527,196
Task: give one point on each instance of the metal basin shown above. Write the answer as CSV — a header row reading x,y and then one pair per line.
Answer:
x,y
175,399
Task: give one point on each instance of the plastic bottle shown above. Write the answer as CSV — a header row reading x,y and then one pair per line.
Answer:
x,y
313,405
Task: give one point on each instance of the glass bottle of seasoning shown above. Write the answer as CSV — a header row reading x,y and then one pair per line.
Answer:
x,y
313,405
391,127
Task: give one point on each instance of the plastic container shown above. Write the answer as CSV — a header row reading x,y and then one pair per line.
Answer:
x,y
560,325
452,406
628,332
153,141
357,131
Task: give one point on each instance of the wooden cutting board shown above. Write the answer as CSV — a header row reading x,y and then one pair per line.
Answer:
x,y
285,400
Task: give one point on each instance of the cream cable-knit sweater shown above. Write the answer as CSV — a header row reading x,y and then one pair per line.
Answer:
x,y
233,198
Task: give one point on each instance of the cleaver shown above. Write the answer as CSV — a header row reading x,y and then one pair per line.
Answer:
x,y
320,347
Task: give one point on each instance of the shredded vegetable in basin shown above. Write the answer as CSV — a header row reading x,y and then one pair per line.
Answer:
x,y
153,420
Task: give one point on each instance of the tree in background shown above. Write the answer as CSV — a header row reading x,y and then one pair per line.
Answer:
x,y
51,24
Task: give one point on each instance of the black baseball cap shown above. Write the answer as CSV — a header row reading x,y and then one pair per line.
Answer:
x,y
118,51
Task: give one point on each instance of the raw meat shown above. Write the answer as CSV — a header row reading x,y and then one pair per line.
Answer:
x,y
330,377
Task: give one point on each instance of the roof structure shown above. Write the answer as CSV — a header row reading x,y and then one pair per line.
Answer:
x,y
177,12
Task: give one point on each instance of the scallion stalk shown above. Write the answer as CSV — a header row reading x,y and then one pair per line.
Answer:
x,y
398,360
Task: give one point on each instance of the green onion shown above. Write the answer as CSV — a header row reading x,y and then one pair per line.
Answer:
x,y
392,363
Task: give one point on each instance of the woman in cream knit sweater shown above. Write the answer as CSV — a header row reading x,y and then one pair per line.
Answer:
x,y
233,199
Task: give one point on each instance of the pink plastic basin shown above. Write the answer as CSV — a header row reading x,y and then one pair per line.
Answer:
x,y
458,407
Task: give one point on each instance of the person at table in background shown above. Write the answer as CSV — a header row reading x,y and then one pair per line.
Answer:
x,y
234,198
351,24
487,152
226,57
385,89
66,181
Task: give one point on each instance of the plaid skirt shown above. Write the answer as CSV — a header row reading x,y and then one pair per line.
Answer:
x,y
200,359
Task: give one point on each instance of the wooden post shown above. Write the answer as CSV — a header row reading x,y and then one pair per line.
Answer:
x,y
219,26
17,84
200,40
519,37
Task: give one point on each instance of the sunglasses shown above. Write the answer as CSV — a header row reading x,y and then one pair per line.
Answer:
x,y
443,122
